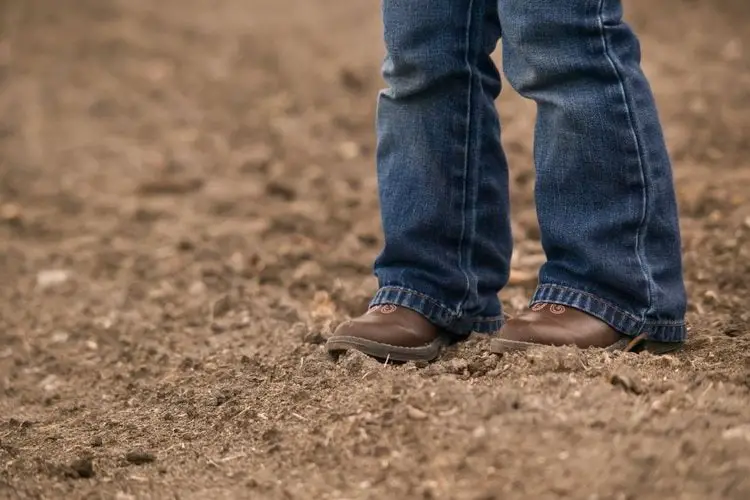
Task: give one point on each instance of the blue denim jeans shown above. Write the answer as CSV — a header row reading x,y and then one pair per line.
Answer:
x,y
604,190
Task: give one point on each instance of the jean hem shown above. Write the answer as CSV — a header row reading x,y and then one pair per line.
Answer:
x,y
436,312
622,321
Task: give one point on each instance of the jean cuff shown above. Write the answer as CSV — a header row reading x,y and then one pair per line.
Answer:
x,y
622,321
437,313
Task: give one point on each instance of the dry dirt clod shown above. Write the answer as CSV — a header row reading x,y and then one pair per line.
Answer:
x,y
307,272
711,297
416,413
627,382
139,457
351,80
740,432
52,277
457,366
60,337
170,187
313,336
10,212
480,432
323,308
81,468
218,327
51,383
281,189
197,289
349,150
221,307
257,158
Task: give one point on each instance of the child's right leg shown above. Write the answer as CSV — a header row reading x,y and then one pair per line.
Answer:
x,y
443,181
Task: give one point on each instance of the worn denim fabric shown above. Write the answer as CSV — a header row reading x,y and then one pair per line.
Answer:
x,y
604,189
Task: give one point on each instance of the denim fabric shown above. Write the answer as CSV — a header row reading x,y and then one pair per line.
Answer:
x,y
604,189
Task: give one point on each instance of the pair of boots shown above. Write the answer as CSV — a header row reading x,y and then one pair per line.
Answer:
x,y
399,334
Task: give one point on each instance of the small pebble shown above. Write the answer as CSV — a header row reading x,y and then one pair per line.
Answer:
x,y
51,278
416,413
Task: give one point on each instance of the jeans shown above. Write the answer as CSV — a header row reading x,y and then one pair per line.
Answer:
x,y
604,189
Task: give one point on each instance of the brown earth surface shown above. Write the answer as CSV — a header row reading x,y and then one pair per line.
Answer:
x,y
188,205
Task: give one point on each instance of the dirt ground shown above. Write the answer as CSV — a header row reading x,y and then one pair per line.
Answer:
x,y
188,206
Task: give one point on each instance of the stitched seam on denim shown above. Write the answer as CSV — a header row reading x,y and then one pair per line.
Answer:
x,y
624,324
409,291
382,295
466,166
640,234
666,324
593,297
607,304
607,315
659,324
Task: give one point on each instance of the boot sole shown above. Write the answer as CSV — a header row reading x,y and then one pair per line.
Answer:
x,y
500,346
430,352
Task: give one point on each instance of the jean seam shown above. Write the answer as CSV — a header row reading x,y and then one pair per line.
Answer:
x,y
437,303
610,305
421,295
590,295
640,231
466,267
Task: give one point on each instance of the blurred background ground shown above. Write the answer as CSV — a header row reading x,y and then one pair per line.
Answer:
x,y
187,200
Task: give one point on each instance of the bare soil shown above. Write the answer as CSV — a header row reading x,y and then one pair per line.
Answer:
x,y
188,206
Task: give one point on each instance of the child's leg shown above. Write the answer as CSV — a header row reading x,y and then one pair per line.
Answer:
x,y
605,197
442,174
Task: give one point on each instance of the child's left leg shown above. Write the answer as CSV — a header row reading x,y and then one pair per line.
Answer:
x,y
604,192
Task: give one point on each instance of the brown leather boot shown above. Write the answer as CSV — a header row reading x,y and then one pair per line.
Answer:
x,y
389,332
557,325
